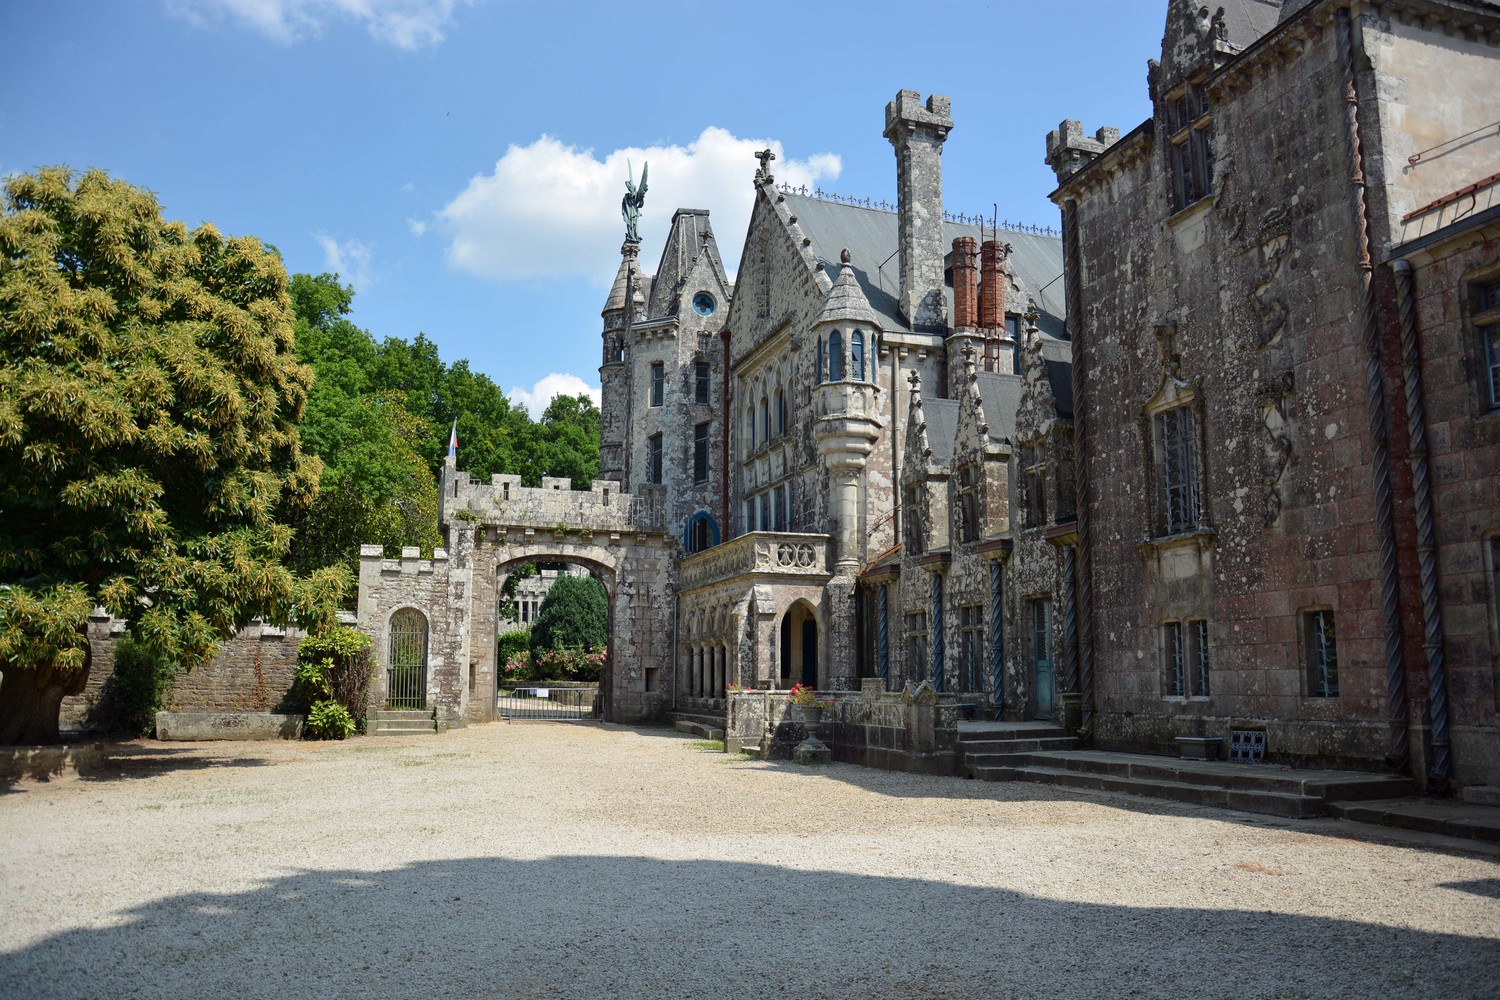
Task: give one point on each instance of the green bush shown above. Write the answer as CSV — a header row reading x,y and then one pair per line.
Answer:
x,y
575,613
137,690
328,720
334,668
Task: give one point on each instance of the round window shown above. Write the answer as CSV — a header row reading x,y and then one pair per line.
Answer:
x,y
703,304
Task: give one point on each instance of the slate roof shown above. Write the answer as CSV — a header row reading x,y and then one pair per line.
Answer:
x,y
685,241
871,233
1246,20
942,426
1001,395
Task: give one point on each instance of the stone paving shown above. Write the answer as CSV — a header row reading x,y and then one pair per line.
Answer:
x,y
553,860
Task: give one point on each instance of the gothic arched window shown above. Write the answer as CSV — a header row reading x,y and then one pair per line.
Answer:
x,y
819,377
857,356
835,356
780,412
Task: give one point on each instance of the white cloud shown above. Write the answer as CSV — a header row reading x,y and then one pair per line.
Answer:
x,y
417,226
406,24
553,211
536,398
350,259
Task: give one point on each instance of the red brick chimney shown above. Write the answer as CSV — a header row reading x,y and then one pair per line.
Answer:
x,y
965,283
997,345
992,283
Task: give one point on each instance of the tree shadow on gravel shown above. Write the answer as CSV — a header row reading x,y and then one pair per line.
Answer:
x,y
589,926
111,762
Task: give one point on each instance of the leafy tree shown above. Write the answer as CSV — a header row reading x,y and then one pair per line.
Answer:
x,y
575,613
570,439
149,451
376,486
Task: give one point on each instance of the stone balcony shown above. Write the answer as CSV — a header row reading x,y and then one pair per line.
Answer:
x,y
776,553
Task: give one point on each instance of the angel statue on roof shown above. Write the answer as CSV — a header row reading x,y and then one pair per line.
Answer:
x,y
630,204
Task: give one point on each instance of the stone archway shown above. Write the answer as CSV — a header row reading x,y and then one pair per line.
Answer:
x,y
620,537
606,577
800,642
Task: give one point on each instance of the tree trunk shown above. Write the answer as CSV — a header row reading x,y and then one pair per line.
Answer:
x,y
30,701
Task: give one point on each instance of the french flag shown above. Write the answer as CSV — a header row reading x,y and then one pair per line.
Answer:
x,y
453,441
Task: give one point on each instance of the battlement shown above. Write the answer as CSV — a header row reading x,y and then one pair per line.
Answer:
x,y
411,562
503,500
1069,150
907,113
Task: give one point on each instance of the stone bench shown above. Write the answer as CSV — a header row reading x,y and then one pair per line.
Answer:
x,y
227,726
1199,747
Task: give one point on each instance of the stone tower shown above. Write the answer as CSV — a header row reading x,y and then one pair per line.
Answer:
x,y
917,131
614,370
662,376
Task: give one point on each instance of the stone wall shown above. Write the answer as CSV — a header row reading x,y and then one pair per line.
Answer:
x,y
914,729
1247,306
253,672
1463,438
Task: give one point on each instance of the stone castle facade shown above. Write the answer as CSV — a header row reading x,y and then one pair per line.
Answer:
x,y
1235,475
1222,459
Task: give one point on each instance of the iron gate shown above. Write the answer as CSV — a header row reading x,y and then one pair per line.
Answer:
x,y
406,670
558,704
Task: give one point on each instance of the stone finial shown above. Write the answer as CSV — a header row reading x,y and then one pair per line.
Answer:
x,y
845,257
914,380
763,174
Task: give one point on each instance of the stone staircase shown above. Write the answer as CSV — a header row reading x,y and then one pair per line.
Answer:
x,y
704,725
390,722
1043,753
990,745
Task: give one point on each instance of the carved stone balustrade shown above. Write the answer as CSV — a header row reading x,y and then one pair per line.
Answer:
x,y
771,552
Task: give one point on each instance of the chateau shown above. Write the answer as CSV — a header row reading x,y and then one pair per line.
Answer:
x,y
1220,461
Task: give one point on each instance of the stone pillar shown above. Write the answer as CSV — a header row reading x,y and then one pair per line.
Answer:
x,y
917,132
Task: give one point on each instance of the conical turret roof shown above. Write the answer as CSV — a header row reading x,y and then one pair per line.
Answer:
x,y
845,301
628,263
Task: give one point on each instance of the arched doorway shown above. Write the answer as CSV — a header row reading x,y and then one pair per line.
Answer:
x,y
799,646
548,695
406,661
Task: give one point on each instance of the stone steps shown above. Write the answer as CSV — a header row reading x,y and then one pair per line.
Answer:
x,y
391,722
703,725
1439,816
988,745
1266,789
1286,804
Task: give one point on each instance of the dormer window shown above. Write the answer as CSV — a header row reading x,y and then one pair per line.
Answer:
x,y
1190,145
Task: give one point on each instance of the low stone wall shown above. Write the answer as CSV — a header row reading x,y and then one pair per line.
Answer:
x,y
915,729
227,726
253,672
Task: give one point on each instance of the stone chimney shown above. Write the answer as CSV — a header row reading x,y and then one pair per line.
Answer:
x,y
917,132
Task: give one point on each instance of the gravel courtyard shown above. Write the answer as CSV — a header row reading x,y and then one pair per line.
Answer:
x,y
558,860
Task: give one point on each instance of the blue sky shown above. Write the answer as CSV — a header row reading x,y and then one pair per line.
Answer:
x,y
461,163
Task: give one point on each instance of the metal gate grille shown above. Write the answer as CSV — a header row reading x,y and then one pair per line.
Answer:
x,y
557,704
406,662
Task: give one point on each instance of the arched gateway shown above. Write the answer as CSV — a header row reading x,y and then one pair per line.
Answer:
x,y
620,537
